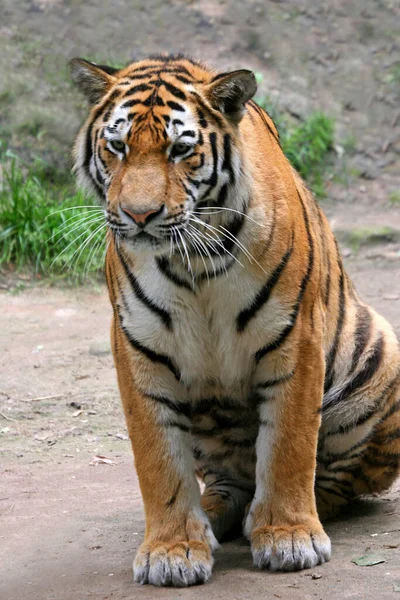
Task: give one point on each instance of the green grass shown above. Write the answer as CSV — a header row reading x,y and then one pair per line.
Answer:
x,y
45,226
394,197
307,145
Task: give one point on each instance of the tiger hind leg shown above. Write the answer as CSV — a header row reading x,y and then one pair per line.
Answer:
x,y
361,460
225,501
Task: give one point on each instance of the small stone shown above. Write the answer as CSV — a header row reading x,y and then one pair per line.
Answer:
x,y
100,348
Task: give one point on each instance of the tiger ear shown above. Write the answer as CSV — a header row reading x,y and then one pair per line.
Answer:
x,y
93,80
228,92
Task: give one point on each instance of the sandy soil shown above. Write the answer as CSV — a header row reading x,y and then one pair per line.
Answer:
x,y
70,526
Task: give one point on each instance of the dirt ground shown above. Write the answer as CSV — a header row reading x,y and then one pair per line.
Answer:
x,y
70,523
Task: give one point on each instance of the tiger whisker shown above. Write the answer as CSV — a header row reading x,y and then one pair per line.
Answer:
x,y
208,243
92,254
243,248
196,234
77,253
194,243
68,246
83,222
207,226
177,244
223,208
186,252
89,207
234,239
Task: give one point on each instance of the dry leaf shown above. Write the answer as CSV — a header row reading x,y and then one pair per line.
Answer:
x,y
101,460
368,560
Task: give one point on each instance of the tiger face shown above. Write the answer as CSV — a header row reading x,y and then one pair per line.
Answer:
x,y
161,142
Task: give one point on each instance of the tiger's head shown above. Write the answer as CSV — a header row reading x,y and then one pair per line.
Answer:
x,y
161,143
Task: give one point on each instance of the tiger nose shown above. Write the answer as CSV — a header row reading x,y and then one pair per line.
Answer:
x,y
142,218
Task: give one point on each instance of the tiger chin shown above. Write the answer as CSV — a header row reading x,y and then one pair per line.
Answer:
x,y
244,356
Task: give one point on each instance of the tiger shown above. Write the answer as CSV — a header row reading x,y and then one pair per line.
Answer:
x,y
258,389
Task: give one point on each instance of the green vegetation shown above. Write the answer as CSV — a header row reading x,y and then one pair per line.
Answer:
x,y
46,226
394,197
367,236
307,145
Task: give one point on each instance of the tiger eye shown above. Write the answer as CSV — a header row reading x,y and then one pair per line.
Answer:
x,y
118,145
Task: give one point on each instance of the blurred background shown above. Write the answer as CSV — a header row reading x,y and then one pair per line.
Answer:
x,y
329,75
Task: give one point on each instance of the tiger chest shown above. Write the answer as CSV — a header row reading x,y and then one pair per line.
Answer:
x,y
198,331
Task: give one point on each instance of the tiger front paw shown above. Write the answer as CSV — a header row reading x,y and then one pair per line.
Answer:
x,y
289,548
177,564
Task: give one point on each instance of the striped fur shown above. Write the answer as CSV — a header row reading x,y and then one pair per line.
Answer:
x,y
243,352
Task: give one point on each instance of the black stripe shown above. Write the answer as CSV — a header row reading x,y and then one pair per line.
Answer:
x,y
213,179
335,456
165,268
201,163
343,429
272,382
174,496
293,317
188,132
387,461
227,243
153,100
334,480
151,354
264,294
172,89
130,103
218,272
175,106
227,162
222,195
219,121
140,294
369,369
205,405
179,408
142,87
344,496
328,283
393,409
202,120
180,78
244,443
362,334
330,360
261,112
388,436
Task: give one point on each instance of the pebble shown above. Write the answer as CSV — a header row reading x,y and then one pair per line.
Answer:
x,y
100,348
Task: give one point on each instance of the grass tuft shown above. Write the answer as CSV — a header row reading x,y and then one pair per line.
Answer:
x,y
47,227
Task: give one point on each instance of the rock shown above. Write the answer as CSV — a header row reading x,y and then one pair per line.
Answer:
x,y
100,348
